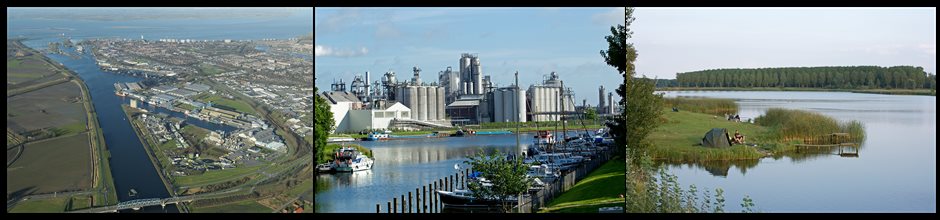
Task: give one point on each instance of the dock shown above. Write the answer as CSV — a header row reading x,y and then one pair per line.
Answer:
x,y
829,141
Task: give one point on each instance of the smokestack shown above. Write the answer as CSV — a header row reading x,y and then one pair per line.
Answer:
x,y
368,88
610,101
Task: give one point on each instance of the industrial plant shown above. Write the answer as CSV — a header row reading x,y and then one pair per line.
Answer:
x,y
458,98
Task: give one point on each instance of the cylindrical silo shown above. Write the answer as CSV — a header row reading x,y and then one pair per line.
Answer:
x,y
507,105
422,103
519,103
498,106
413,101
477,76
441,103
432,102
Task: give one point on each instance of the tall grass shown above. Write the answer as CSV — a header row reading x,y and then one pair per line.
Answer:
x,y
799,124
710,106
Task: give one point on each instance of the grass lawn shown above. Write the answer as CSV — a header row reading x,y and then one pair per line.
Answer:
x,y
210,69
81,202
200,133
52,205
213,176
74,128
601,188
677,138
247,206
237,105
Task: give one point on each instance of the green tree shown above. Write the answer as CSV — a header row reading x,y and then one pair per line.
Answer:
x,y
621,56
508,177
590,114
323,126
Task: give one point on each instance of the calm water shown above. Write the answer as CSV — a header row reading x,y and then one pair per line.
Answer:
x,y
403,165
130,166
895,170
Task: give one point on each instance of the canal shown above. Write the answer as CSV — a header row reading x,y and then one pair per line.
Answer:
x,y
895,170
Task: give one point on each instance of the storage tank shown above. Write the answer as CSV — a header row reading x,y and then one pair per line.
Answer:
x,y
519,105
477,76
412,97
432,103
508,96
440,103
498,106
422,103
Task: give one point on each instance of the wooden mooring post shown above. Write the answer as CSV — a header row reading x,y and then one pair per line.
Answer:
x,y
389,208
395,203
378,208
409,202
402,203
424,199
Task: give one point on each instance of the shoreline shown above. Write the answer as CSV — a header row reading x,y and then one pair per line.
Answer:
x,y
922,92
150,153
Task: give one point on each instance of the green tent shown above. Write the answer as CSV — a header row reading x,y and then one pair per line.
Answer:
x,y
717,137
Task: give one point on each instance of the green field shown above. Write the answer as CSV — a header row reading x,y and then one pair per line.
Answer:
x,y
601,188
218,100
52,166
236,207
80,202
676,139
874,91
200,133
53,205
210,69
50,107
214,176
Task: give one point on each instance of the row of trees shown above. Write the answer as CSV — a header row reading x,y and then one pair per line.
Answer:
x,y
844,77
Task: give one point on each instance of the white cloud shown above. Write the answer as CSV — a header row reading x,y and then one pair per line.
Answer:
x,y
928,48
610,17
326,51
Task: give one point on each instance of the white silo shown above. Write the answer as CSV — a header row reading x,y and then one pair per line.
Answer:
x,y
432,103
422,103
519,105
440,103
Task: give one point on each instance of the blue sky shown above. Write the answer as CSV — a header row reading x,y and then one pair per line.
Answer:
x,y
671,40
533,41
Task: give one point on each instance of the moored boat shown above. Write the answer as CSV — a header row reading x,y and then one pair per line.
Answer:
x,y
350,160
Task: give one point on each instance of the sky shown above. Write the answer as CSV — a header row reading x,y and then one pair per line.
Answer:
x,y
532,41
673,40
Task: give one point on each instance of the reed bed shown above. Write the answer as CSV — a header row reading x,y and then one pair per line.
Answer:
x,y
720,107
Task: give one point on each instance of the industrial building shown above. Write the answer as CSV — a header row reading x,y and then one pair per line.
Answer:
x,y
548,101
164,89
509,103
350,115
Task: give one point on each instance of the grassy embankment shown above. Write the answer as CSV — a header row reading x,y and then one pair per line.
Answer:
x,y
677,139
601,188
874,91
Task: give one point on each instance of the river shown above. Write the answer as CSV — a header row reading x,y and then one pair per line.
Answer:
x,y
895,170
130,166
403,165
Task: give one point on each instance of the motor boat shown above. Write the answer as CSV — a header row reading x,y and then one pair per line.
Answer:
x,y
543,138
350,160
374,136
324,168
465,198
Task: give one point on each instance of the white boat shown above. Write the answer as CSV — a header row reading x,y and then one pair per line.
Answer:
x,y
374,136
543,138
543,173
324,168
350,160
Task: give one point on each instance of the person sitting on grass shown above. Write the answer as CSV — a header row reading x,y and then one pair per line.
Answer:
x,y
738,138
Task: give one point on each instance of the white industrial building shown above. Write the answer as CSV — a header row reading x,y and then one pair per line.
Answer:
x,y
509,103
350,116
548,101
379,119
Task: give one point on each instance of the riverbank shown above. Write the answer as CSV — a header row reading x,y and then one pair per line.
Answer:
x,y
330,148
677,137
142,136
601,188
924,92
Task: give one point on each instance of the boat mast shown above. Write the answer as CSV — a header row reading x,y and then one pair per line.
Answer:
x,y
518,120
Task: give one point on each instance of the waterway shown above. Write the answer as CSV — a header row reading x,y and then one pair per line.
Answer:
x,y
130,166
895,170
403,165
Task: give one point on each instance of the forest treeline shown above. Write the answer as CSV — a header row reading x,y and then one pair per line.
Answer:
x,y
846,77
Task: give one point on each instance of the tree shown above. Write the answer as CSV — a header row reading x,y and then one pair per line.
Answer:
x,y
323,126
507,176
590,114
621,56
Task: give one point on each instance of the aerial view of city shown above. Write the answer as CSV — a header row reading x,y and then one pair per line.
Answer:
x,y
160,110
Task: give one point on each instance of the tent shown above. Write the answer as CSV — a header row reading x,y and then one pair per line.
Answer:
x,y
717,137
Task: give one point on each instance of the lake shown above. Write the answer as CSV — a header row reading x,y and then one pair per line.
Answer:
x,y
895,170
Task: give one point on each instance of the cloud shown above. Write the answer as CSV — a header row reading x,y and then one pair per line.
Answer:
x,y
325,51
387,30
340,20
928,48
610,17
